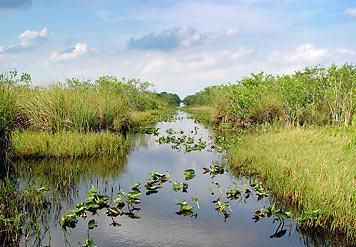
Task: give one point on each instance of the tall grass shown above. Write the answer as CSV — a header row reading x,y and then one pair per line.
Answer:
x,y
7,116
21,212
33,144
313,169
82,106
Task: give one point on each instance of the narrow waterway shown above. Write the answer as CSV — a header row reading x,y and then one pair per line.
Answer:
x,y
159,224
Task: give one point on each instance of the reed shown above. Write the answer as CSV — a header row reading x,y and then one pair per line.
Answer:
x,y
67,144
313,169
7,116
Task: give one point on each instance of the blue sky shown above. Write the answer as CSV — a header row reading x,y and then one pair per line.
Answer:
x,y
181,46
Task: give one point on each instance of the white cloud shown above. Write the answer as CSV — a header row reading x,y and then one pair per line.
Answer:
x,y
169,39
30,37
350,12
232,32
304,54
27,40
68,54
198,61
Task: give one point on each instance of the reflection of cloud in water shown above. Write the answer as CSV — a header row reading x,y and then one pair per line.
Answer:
x,y
152,231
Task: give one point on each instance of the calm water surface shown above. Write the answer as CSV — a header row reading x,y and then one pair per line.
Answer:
x,y
159,225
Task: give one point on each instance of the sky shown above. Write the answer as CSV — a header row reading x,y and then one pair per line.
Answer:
x,y
181,46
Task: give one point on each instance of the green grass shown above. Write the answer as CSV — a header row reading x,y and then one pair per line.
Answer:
x,y
310,168
203,114
30,144
7,115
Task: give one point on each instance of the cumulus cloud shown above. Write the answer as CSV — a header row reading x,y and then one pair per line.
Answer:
x,y
70,53
13,4
304,54
27,40
158,62
169,39
350,12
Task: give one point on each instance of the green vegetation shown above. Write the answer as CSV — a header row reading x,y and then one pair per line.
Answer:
x,y
21,213
75,119
315,96
33,144
51,115
170,98
7,114
313,169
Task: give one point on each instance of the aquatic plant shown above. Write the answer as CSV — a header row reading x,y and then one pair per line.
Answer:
x,y
155,182
189,174
214,170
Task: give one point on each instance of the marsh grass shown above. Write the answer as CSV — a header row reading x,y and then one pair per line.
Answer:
x,y
59,108
202,114
7,115
312,169
67,144
21,211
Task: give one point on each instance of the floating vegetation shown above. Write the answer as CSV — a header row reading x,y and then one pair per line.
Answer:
x,y
187,210
179,140
259,190
214,170
271,211
149,130
233,194
180,186
189,174
279,214
155,182
89,242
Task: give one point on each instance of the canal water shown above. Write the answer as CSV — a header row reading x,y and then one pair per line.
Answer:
x,y
158,223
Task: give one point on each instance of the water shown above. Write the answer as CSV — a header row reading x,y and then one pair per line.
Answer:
x,y
159,225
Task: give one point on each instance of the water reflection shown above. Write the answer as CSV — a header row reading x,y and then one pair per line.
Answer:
x,y
223,219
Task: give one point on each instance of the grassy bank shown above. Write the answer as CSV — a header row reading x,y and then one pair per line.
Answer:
x,y
202,114
73,119
313,169
31,144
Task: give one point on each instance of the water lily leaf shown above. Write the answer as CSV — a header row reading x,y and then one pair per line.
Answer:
x,y
186,208
92,224
189,174
69,220
136,186
177,186
89,243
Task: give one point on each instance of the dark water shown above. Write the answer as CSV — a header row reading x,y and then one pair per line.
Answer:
x,y
159,225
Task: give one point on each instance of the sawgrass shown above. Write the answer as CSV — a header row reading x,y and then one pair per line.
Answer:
x,y
312,169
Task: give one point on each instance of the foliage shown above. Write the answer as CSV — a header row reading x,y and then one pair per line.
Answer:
x,y
83,106
314,96
170,98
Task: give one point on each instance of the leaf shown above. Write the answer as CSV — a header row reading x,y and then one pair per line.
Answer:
x,y
92,224
186,208
89,243
189,174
